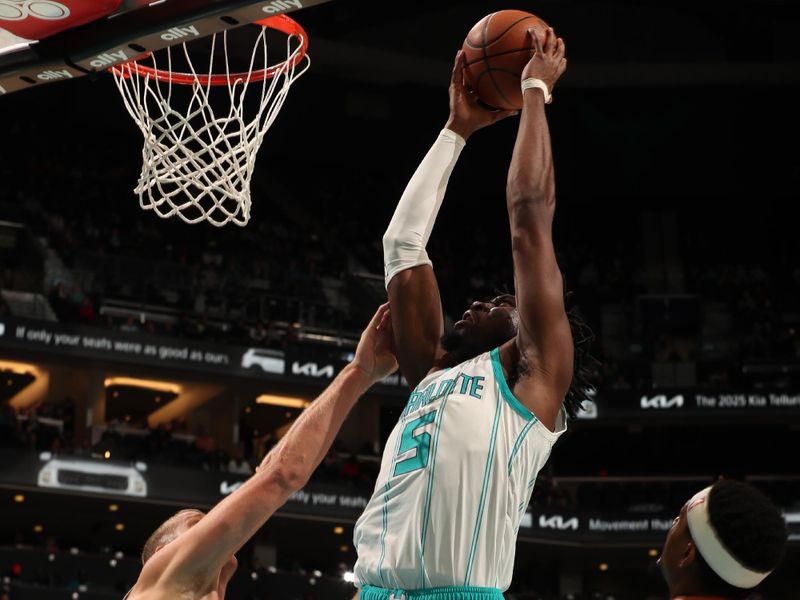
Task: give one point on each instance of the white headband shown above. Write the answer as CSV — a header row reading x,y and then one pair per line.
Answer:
x,y
719,558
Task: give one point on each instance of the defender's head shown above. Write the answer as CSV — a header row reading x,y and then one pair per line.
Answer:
x,y
725,541
171,529
487,325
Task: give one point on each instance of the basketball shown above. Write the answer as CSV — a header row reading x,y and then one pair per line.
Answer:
x,y
496,51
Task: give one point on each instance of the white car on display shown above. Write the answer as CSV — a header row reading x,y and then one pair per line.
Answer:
x,y
92,476
270,361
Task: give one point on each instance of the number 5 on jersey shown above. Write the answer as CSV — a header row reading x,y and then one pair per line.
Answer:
x,y
411,439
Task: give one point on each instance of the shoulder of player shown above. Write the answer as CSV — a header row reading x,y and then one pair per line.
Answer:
x,y
156,592
166,587
537,392
524,366
550,374
161,577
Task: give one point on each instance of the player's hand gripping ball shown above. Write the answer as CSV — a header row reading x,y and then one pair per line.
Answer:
x,y
496,51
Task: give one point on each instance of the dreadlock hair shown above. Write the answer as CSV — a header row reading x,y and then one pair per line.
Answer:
x,y
584,364
749,526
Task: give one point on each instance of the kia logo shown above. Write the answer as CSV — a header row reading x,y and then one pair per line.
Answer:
x,y
558,522
311,369
661,402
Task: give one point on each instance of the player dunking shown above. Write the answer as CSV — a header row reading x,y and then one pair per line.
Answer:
x,y
191,555
489,397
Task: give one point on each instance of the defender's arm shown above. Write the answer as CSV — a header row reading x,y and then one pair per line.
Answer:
x,y
224,530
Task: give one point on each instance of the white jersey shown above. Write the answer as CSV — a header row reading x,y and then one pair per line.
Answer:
x,y
456,477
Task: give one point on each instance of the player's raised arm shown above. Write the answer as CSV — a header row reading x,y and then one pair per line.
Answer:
x,y
544,337
413,290
205,548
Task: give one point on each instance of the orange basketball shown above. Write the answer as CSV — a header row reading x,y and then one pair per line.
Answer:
x,y
496,50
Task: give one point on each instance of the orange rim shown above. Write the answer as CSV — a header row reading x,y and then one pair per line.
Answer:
x,y
281,23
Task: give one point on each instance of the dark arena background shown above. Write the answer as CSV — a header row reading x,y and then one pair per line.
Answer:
x,y
148,365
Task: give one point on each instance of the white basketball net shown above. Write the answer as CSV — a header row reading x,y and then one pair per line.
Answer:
x,y
196,164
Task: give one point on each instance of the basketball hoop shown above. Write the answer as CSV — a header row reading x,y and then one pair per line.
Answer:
x,y
196,164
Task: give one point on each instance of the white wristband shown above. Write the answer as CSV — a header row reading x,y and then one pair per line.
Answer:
x,y
533,82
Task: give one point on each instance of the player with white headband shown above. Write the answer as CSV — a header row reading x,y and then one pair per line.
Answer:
x,y
726,540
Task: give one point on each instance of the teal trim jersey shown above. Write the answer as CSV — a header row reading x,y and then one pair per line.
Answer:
x,y
454,484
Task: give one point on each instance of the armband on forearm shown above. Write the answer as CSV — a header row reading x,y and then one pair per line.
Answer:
x,y
407,235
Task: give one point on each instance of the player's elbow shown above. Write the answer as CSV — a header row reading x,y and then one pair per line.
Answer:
x,y
401,243
391,240
288,475
527,198
524,187
531,237
530,213
388,237
295,477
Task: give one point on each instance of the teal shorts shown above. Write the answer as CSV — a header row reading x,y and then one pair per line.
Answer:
x,y
369,592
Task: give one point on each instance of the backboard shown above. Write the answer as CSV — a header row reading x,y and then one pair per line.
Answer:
x,y
43,41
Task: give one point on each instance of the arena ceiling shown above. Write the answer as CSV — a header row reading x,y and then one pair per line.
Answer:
x,y
610,43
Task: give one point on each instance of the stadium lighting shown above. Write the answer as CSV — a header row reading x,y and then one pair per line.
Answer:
x,y
286,401
349,577
151,384
18,368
